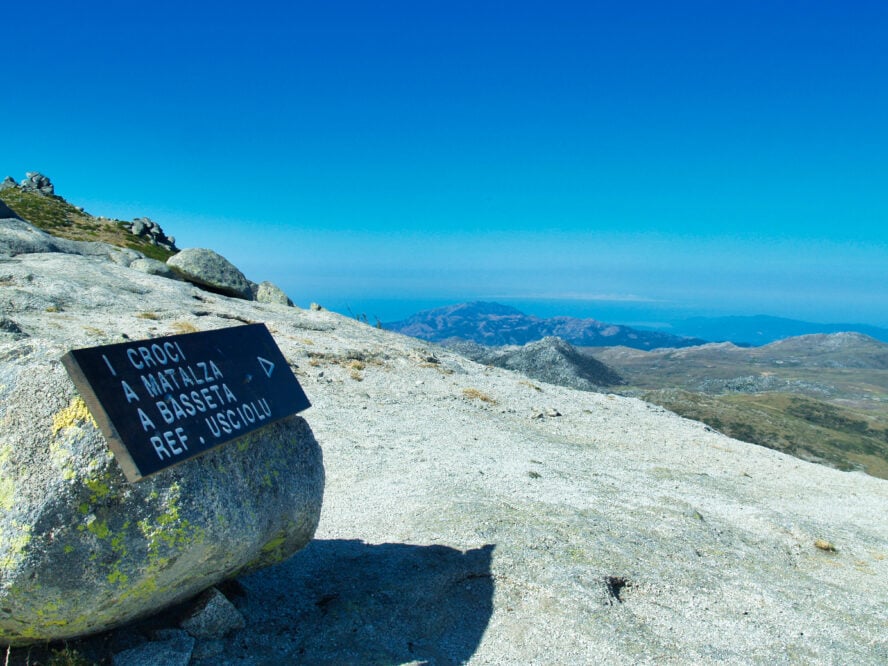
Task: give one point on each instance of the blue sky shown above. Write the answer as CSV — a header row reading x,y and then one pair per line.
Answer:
x,y
637,160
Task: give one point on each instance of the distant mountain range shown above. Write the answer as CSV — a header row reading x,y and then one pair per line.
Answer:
x,y
762,329
494,324
851,364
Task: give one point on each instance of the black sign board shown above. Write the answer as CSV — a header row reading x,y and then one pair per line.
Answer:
x,y
160,402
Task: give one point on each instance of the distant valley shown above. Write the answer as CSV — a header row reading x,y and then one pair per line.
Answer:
x,y
821,397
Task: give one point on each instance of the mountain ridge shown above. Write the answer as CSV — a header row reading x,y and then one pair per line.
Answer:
x,y
818,396
757,330
494,324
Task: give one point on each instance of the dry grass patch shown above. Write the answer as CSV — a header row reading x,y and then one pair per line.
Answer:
x,y
825,545
475,394
354,362
181,327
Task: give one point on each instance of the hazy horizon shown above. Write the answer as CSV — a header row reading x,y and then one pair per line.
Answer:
x,y
628,162
660,316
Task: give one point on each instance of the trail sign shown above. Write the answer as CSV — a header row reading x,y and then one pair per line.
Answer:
x,y
162,401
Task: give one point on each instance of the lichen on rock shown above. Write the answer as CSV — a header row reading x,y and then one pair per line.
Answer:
x,y
82,550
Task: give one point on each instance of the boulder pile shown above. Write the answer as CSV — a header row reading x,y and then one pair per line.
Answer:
x,y
37,182
148,228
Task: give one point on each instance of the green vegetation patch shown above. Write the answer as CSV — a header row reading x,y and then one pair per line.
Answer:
x,y
56,216
811,429
50,213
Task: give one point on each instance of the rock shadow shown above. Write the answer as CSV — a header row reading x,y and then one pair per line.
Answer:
x,y
349,602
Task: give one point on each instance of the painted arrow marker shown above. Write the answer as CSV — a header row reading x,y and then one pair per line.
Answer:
x,y
267,365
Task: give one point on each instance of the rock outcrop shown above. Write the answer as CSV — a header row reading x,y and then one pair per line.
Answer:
x,y
154,267
151,230
20,237
550,360
211,271
213,616
37,182
268,292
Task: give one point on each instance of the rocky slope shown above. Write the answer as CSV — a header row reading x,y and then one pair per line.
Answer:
x,y
495,324
821,396
836,351
550,360
458,528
